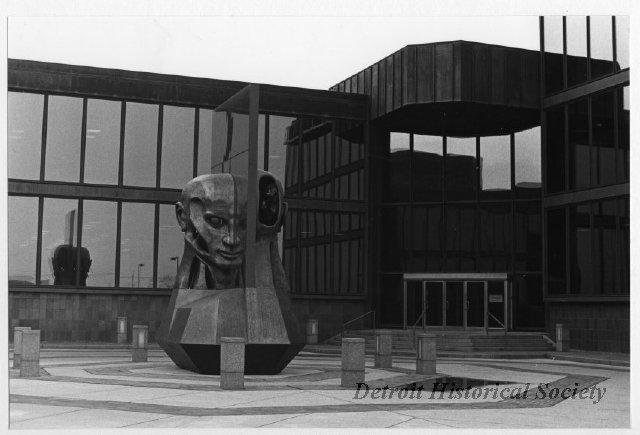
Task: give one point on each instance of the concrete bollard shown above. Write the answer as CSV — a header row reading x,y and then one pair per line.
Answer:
x,y
121,329
384,346
232,363
563,337
17,344
426,354
30,363
139,339
312,331
352,362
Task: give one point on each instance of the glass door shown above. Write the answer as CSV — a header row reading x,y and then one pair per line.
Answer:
x,y
454,307
475,303
413,304
433,301
496,309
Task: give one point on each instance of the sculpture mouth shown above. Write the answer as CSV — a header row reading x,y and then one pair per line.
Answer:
x,y
227,255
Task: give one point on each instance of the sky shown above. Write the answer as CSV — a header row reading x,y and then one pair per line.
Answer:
x,y
312,52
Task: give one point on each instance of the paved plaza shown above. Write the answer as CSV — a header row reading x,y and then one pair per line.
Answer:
x,y
102,388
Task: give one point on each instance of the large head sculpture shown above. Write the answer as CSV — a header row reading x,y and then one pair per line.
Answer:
x,y
212,213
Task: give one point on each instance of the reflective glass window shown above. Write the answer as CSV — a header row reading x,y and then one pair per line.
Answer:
x,y
205,140
397,239
461,167
601,34
602,128
398,186
576,49
556,156
64,131
527,303
24,139
604,252
528,236
622,41
579,167
461,233
280,142
581,250
427,240
178,125
427,161
622,106
495,167
624,245
140,144
59,242
99,238
528,163
495,237
553,47
103,142
170,246
556,252
23,239
136,245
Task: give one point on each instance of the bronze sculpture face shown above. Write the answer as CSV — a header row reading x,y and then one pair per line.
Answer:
x,y
212,213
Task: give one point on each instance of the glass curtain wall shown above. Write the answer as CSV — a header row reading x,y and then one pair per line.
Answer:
x,y
465,205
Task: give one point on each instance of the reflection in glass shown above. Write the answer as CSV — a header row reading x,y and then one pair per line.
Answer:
x,y
495,237
601,35
556,157
622,41
396,244
528,163
576,49
59,242
461,168
495,166
553,47
527,303
623,133
398,186
140,144
24,139
205,141
556,252
624,245
391,299
170,246
461,233
427,164
99,237
602,128
177,146
136,245
604,252
581,261
528,236
23,239
64,131
578,145
103,142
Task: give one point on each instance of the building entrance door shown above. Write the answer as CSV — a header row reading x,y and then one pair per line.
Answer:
x,y
451,304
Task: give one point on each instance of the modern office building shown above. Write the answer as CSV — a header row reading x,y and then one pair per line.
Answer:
x,y
449,186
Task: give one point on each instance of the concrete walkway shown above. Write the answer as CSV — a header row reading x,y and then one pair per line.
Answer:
x,y
102,388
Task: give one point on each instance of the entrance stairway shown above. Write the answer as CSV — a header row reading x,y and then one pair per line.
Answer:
x,y
456,344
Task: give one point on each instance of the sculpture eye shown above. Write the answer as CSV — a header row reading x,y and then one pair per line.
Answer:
x,y
215,221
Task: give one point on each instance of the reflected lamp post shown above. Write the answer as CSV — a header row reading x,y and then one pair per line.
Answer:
x,y
176,260
139,267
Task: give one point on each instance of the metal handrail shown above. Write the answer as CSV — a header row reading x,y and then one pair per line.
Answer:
x,y
496,319
413,327
373,319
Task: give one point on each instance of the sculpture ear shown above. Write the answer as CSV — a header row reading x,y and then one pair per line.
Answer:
x,y
182,216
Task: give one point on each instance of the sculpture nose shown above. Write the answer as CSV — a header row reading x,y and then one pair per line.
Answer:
x,y
231,239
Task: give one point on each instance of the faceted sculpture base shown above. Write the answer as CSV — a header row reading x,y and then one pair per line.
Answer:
x,y
260,359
